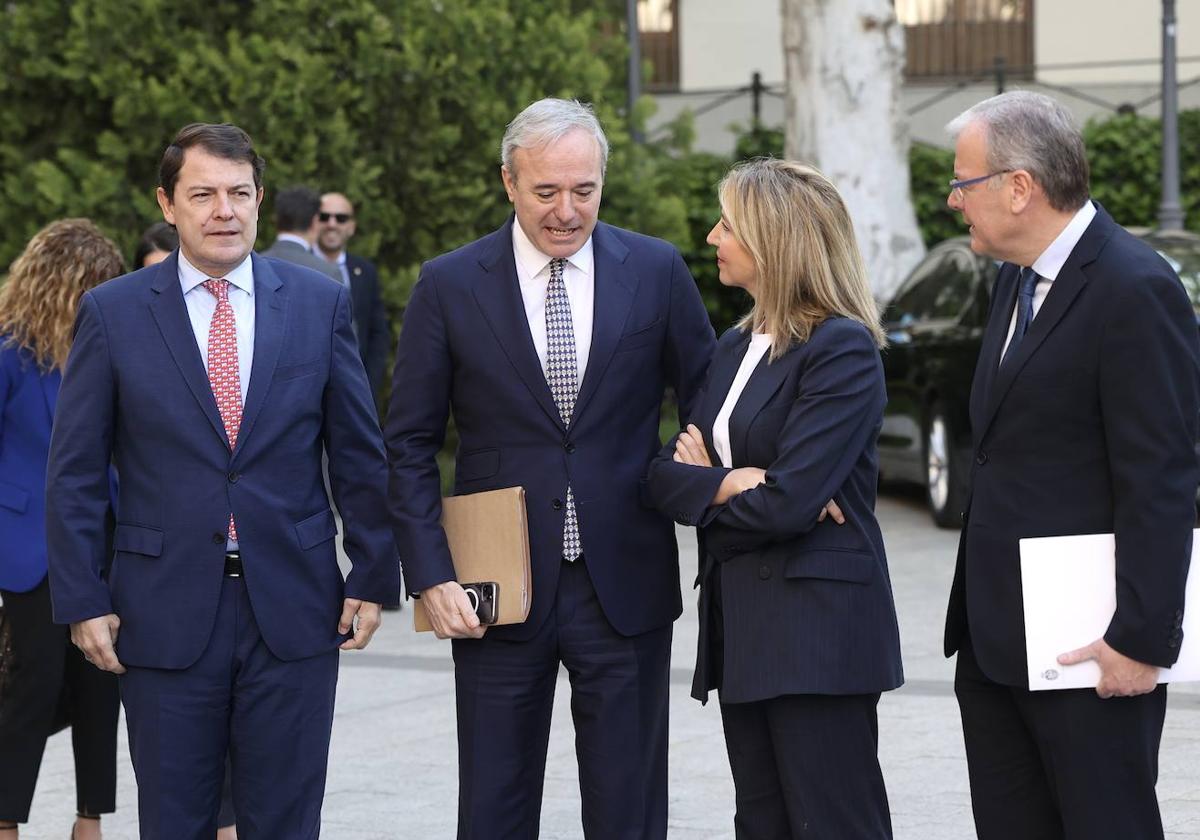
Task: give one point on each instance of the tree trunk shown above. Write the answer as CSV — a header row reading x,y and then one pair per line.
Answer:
x,y
843,61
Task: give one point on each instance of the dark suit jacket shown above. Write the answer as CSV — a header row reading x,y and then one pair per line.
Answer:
x,y
466,346
807,606
370,318
1090,427
135,390
293,252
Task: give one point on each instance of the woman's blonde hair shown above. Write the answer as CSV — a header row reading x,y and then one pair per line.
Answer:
x,y
39,299
794,224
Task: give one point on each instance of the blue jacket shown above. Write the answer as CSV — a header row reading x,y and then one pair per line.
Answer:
x,y
27,398
135,390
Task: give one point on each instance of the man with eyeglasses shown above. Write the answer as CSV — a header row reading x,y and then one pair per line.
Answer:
x,y
1084,413
336,227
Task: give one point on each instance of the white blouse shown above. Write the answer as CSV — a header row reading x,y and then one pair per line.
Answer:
x,y
760,343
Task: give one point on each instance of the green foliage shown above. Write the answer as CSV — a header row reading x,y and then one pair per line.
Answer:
x,y
929,169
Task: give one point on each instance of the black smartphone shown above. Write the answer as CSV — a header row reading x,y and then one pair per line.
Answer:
x,y
485,598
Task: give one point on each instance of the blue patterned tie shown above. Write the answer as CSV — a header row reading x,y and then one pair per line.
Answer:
x,y
562,376
1028,282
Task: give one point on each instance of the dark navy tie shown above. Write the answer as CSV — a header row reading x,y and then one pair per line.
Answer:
x,y
1028,282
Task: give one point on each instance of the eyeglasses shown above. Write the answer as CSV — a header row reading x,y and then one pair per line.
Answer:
x,y
341,218
957,188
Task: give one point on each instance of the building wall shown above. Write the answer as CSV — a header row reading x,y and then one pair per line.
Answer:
x,y
722,43
1076,31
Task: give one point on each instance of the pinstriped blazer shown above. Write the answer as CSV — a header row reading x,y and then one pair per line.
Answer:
x,y
807,606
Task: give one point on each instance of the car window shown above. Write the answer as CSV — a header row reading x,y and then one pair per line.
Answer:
x,y
939,288
1185,259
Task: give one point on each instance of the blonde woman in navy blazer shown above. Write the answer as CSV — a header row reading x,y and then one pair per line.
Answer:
x,y
37,313
797,625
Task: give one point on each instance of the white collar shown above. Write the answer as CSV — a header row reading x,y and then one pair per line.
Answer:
x,y
190,277
533,261
1050,263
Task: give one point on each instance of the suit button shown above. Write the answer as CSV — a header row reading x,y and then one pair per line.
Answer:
x,y
219,539
233,477
764,572
557,504
570,447
981,458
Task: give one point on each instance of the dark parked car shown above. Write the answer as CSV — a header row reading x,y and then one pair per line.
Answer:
x,y
935,327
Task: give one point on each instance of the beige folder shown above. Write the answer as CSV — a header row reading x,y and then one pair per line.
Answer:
x,y
489,541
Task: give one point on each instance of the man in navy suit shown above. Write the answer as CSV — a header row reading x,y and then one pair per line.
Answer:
x,y
1084,413
214,381
552,340
337,226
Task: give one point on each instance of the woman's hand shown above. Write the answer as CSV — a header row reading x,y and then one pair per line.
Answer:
x,y
833,512
690,449
738,481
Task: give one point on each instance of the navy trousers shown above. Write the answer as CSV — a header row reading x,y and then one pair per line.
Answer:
x,y
806,765
272,717
1059,765
619,704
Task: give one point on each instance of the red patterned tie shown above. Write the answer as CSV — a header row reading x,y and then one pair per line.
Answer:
x,y
223,367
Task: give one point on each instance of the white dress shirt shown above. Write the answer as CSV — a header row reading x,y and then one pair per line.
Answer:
x,y
1050,263
579,278
760,343
201,305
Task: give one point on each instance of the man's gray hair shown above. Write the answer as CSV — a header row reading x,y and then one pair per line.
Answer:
x,y
546,121
1031,131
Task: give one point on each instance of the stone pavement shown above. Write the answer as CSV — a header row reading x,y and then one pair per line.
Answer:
x,y
392,766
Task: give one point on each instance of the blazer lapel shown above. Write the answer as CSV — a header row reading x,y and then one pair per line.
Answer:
x,y
615,286
1004,298
498,294
270,319
170,314
725,366
1063,291
762,385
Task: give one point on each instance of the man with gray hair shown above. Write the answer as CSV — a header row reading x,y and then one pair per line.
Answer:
x,y
551,340
1084,413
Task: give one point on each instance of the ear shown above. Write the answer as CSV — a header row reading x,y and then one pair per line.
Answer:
x,y
510,183
1021,188
166,206
258,201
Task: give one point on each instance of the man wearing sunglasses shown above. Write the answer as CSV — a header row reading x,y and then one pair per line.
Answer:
x,y
336,225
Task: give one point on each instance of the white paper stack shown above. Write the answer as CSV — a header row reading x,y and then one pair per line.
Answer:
x,y
1070,592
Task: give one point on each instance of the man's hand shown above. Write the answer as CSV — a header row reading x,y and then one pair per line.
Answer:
x,y
369,619
95,638
1120,676
450,612
690,449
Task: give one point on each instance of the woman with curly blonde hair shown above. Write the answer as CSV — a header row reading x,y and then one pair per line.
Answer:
x,y
45,684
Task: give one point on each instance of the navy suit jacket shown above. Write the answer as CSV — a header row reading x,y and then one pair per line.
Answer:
x,y
27,399
807,605
466,346
370,318
135,390
1089,428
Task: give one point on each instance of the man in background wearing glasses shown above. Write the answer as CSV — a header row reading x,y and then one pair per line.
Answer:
x,y
336,226
1084,414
